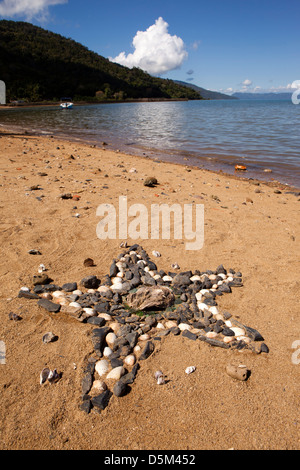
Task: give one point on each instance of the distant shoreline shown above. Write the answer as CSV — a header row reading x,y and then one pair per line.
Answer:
x,y
85,103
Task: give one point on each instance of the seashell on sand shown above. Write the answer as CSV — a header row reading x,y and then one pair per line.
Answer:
x,y
130,360
190,369
98,386
102,367
184,326
116,373
107,351
110,339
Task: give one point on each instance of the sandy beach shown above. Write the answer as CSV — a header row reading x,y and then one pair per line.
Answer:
x,y
250,226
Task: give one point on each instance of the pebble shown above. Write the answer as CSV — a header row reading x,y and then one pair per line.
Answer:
x,y
190,370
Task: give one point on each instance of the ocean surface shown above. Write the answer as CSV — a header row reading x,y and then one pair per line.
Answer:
x,y
217,135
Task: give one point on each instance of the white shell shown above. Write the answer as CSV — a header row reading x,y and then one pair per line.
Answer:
x,y
77,292
184,326
144,337
106,316
90,311
238,331
25,289
195,278
129,360
58,293
116,373
103,289
98,386
74,304
190,369
102,367
167,279
160,326
107,351
211,334
213,310
198,296
202,306
110,338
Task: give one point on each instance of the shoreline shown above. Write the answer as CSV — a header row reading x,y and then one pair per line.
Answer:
x,y
158,155
249,226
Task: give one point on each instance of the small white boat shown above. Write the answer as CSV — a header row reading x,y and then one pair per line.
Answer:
x,y
66,103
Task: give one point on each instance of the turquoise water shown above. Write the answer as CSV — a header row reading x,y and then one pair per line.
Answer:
x,y
209,134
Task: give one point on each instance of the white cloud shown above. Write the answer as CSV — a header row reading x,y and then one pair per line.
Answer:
x,y
247,82
27,8
155,50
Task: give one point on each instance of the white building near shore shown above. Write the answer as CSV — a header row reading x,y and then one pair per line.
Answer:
x,y
2,92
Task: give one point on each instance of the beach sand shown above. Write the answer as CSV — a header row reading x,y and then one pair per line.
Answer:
x,y
254,232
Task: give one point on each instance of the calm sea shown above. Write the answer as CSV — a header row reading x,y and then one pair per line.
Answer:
x,y
210,134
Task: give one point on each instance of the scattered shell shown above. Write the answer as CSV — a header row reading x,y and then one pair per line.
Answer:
x,y
49,337
190,369
175,266
44,375
158,374
41,268
161,380
53,376
156,254
50,375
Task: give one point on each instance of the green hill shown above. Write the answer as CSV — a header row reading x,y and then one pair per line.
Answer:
x,y
39,65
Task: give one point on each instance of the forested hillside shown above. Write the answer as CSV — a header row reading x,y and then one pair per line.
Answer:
x,y
39,65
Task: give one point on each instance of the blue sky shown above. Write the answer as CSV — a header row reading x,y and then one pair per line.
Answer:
x,y
234,45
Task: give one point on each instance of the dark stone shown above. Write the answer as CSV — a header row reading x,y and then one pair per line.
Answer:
x,y
175,330
147,351
97,321
69,286
28,295
132,338
102,307
48,305
220,269
90,282
181,279
152,265
101,401
264,348
113,271
214,342
130,376
86,406
46,288
116,362
87,383
98,339
189,335
40,279
227,332
253,334
120,389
